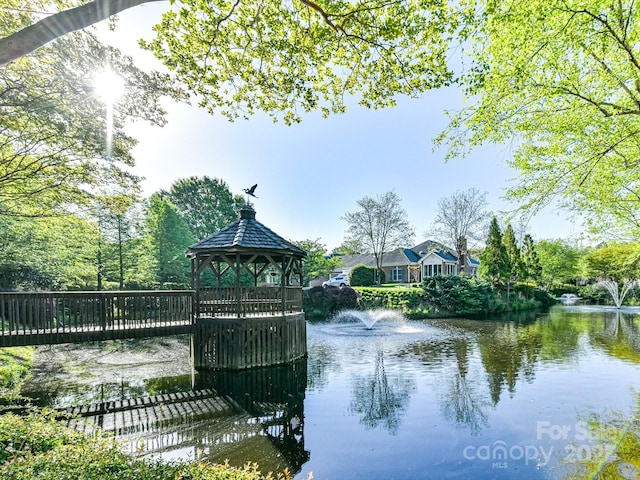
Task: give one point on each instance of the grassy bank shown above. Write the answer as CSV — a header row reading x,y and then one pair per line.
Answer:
x,y
38,446
15,363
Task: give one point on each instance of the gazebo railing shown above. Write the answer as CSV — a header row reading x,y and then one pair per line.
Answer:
x,y
249,301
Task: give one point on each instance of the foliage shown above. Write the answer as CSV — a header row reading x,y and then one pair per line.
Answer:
x,y
15,363
561,79
532,270
462,216
205,204
515,268
380,224
362,276
68,243
323,301
168,237
317,263
406,300
617,262
494,262
349,247
36,446
461,295
53,131
294,57
615,447
559,261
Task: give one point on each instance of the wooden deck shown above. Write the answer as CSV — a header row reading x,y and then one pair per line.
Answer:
x,y
41,318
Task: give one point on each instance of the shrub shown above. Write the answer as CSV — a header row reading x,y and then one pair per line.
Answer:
x,y
323,301
462,295
362,276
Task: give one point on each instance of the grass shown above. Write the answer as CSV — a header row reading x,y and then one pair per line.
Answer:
x,y
15,363
38,446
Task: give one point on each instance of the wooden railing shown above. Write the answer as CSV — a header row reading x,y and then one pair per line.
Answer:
x,y
249,301
60,315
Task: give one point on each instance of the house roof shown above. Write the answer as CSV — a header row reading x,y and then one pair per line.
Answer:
x,y
446,255
246,234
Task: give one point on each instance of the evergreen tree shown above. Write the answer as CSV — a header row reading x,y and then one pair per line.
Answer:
x,y
494,262
168,236
532,270
514,262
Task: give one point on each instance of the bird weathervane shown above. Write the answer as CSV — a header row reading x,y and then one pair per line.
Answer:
x,y
251,192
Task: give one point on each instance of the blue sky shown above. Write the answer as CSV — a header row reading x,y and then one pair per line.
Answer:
x,y
309,175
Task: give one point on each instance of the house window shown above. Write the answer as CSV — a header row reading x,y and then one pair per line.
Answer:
x,y
432,270
451,269
397,274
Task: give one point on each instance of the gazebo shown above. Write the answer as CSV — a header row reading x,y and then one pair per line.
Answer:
x,y
248,309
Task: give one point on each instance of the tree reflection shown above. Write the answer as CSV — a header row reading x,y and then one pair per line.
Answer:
x,y
462,401
381,401
620,336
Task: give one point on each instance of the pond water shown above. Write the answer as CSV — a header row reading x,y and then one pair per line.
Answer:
x,y
502,398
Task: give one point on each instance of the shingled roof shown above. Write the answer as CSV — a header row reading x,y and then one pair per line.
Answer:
x,y
244,235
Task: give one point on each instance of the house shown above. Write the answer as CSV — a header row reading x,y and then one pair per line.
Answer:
x,y
412,265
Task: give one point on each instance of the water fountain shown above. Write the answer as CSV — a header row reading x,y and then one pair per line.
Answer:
x,y
618,295
368,318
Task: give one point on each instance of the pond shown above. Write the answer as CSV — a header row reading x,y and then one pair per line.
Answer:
x,y
502,398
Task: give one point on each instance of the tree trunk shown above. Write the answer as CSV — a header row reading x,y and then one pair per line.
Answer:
x,y
42,32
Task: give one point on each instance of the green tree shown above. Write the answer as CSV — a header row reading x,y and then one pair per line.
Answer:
x,y
206,204
494,262
381,224
53,126
562,79
287,57
532,270
514,260
168,236
317,262
618,262
559,262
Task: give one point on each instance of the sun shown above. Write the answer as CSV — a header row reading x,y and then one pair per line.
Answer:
x,y
108,86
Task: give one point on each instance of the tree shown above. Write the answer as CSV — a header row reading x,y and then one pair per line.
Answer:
x,y
514,261
461,218
53,126
618,262
286,57
559,261
381,224
317,263
494,262
168,236
532,270
206,204
560,80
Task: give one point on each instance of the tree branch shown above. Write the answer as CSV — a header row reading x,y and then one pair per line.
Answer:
x,y
42,32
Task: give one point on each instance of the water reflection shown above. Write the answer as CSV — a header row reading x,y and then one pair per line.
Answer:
x,y
390,402
379,398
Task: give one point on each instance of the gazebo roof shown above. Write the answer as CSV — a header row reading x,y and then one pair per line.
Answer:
x,y
245,235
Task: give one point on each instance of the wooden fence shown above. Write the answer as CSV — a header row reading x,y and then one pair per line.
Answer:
x,y
249,301
36,318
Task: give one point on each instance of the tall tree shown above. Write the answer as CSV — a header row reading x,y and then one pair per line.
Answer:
x,y
53,126
531,264
514,260
287,57
168,237
206,204
494,262
381,224
461,220
560,79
